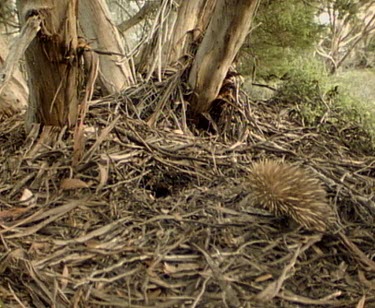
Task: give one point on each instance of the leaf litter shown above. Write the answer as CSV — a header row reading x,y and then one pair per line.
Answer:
x,y
151,214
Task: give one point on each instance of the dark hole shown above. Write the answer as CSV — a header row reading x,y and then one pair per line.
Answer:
x,y
161,192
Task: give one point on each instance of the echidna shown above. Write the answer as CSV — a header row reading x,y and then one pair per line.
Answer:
x,y
285,189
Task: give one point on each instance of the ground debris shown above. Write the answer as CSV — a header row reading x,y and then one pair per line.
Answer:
x,y
151,215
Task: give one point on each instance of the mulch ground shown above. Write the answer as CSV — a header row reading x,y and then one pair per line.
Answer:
x,y
150,213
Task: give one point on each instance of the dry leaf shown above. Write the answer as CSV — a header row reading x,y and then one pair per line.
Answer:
x,y
263,278
103,176
65,280
12,213
180,267
178,131
73,184
361,303
28,198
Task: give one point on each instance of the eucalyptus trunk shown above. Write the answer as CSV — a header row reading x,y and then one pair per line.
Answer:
x,y
14,95
95,23
53,64
228,28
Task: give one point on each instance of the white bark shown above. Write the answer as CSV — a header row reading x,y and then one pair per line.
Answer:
x,y
13,97
114,70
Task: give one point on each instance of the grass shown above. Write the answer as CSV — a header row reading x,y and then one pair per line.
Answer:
x,y
357,95
359,87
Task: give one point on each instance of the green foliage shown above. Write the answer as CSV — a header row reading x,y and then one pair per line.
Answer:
x,y
345,8
304,87
286,24
303,81
356,124
282,45
282,29
324,103
357,98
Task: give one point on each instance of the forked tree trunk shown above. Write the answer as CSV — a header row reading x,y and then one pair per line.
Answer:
x,y
217,28
95,23
192,20
225,34
176,35
54,71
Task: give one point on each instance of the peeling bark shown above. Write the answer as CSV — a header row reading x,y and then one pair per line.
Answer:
x,y
54,71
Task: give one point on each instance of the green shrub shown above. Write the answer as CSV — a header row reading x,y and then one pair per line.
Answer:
x,y
304,87
317,101
282,30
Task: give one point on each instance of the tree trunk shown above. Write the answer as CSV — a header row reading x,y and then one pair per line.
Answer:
x,y
53,65
8,21
225,34
13,98
96,26
176,36
192,20
142,14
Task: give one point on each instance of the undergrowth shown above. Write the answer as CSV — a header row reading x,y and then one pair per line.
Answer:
x,y
319,101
